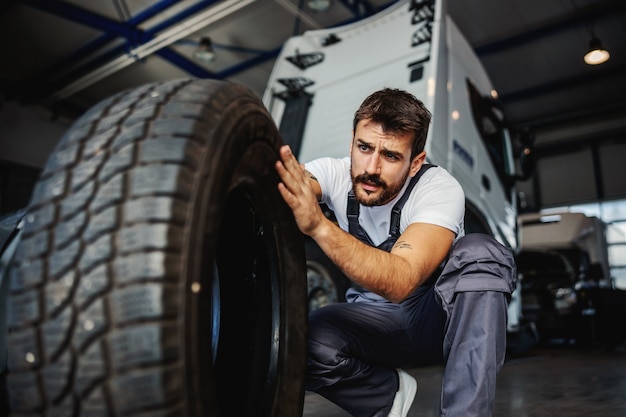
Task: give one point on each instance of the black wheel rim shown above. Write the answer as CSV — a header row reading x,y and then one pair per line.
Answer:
x,y
248,313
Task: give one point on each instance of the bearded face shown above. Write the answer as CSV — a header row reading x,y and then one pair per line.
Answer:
x,y
380,163
372,190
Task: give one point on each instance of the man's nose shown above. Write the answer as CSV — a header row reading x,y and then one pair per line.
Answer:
x,y
373,164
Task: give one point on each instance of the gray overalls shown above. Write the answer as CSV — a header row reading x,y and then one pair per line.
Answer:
x,y
457,317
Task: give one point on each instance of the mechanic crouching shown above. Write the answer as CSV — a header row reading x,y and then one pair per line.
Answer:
x,y
423,292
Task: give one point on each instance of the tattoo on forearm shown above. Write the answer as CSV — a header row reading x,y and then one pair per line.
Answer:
x,y
312,176
403,245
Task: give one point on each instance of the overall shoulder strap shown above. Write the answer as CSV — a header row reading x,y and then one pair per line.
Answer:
x,y
355,229
394,224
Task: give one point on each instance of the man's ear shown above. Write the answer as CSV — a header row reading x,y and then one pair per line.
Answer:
x,y
417,162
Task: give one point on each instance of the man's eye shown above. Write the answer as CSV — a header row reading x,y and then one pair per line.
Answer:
x,y
363,147
392,156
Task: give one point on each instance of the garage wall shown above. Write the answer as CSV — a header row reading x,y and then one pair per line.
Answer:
x,y
576,167
566,178
27,137
28,134
613,169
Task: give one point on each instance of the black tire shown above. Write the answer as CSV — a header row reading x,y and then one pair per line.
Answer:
x,y
160,272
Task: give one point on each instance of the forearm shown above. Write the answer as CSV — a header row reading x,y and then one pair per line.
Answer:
x,y
381,272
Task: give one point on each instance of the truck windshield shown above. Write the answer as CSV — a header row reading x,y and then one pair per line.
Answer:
x,y
491,125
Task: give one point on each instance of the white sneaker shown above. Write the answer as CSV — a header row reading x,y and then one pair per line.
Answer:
x,y
405,395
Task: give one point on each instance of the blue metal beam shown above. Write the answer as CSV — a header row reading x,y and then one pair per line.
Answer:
x,y
190,11
354,7
114,29
134,37
561,84
267,55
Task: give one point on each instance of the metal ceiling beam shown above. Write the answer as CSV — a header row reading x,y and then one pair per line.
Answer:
x,y
268,55
603,10
159,41
109,62
147,42
360,8
561,84
72,62
112,30
298,13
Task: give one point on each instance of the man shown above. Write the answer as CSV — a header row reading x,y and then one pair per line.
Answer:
x,y
422,292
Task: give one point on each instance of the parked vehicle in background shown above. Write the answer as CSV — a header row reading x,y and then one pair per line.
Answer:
x,y
549,296
572,234
567,290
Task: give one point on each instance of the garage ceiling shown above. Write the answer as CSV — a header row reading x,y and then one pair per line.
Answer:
x,y
67,55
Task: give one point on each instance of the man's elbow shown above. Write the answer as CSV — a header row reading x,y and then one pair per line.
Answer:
x,y
399,295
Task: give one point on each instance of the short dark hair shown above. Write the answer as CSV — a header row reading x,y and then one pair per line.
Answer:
x,y
398,111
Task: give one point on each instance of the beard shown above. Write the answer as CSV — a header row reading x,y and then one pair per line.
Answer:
x,y
386,193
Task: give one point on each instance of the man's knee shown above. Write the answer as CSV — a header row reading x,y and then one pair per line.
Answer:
x,y
324,343
477,262
479,247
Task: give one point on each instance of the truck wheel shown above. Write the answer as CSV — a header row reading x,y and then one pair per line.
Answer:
x,y
322,290
160,272
326,283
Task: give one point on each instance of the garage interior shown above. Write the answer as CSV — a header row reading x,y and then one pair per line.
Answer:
x,y
60,58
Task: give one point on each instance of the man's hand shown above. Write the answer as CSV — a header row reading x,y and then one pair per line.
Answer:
x,y
299,192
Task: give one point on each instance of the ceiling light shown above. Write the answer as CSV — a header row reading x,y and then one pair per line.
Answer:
x,y
319,5
596,55
204,52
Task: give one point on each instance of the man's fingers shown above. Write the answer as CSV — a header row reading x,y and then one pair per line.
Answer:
x,y
289,169
286,155
290,162
289,187
284,174
285,193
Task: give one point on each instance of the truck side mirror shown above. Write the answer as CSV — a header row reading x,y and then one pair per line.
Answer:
x,y
526,157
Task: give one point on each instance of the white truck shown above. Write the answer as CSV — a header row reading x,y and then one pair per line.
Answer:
x,y
321,77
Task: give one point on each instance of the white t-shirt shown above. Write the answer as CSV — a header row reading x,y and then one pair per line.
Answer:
x,y
437,198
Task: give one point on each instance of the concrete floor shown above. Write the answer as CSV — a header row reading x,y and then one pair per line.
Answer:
x,y
547,382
